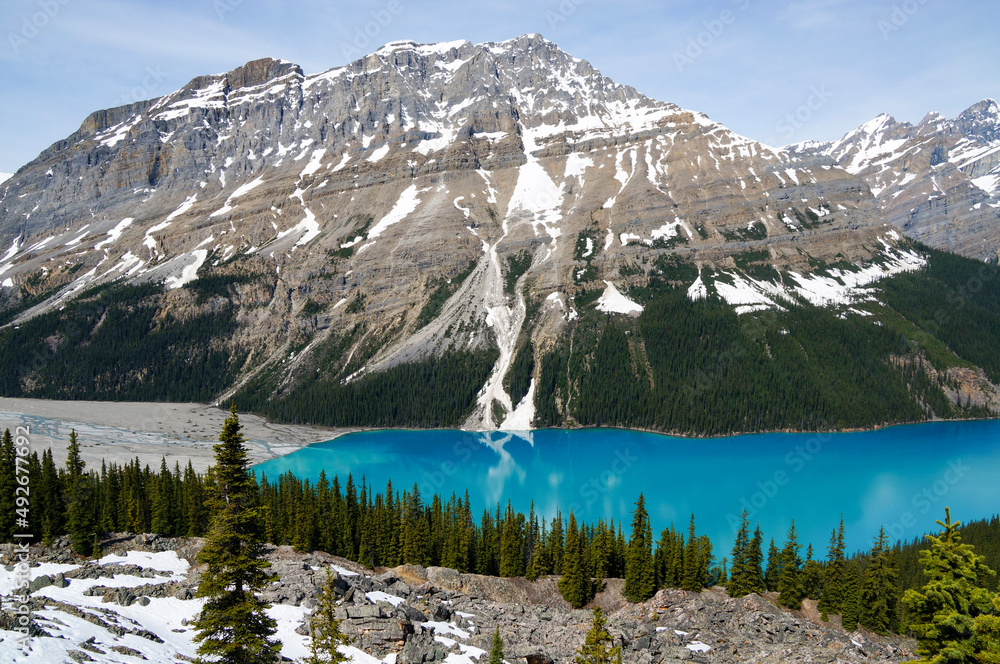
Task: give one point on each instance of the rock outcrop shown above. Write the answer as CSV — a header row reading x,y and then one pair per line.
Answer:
x,y
433,614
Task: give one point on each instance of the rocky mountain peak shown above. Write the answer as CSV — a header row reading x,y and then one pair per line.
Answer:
x,y
437,196
938,181
981,121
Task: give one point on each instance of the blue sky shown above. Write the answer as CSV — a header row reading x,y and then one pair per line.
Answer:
x,y
777,71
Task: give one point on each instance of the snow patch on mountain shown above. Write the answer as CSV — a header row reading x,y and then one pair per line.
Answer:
x,y
613,302
832,287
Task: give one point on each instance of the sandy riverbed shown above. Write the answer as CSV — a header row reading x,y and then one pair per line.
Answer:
x,y
122,431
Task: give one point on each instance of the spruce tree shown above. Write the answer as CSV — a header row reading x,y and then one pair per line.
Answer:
x,y
832,599
496,648
743,577
232,626
952,615
639,582
812,576
879,592
789,581
79,519
850,600
773,572
575,584
324,628
596,648
696,559
755,566
8,488
162,500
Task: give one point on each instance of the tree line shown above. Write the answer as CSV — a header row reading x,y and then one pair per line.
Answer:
x,y
392,527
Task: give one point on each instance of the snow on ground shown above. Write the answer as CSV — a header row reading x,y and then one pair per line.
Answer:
x,y
524,412
989,183
379,596
612,301
833,287
536,193
294,646
744,294
314,163
163,561
8,579
343,571
190,272
240,191
167,618
379,153
5,176
115,233
407,203
308,227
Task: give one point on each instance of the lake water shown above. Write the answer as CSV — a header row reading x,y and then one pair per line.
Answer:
x,y
900,477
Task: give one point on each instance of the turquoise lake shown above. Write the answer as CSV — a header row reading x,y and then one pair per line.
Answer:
x,y
900,477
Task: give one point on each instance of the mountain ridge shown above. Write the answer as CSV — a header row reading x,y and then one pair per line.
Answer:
x,y
422,209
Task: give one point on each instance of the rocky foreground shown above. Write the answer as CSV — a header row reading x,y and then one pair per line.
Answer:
x,y
135,604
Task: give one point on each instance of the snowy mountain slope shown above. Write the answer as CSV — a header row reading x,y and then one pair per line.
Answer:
x,y
423,200
938,181
5,176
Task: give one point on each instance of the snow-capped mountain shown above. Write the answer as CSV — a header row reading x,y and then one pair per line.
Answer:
x,y
938,181
423,199
5,176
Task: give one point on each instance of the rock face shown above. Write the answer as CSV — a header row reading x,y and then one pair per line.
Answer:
x,y
937,181
339,207
430,615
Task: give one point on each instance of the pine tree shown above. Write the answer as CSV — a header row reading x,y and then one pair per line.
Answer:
x,y
945,613
639,582
663,559
324,628
496,649
596,648
744,574
162,500
232,626
695,561
832,600
79,519
756,562
790,582
8,487
773,572
879,594
850,600
575,584
812,576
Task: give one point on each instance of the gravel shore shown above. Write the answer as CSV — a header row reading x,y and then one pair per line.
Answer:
x,y
122,431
